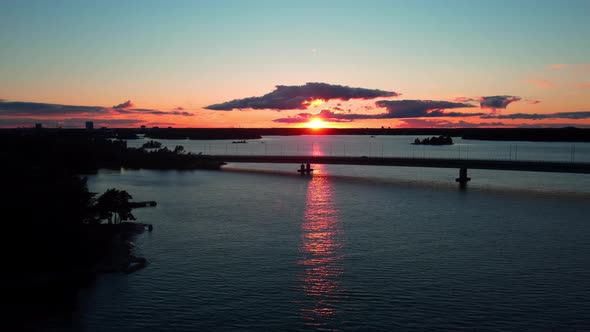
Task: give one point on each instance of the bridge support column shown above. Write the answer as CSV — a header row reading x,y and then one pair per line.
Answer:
x,y
305,169
463,178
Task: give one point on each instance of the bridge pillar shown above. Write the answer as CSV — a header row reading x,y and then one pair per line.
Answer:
x,y
463,178
305,169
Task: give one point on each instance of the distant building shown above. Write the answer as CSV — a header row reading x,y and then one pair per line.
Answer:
x,y
89,125
38,126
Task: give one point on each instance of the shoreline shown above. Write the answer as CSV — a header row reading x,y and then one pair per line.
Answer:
x,y
118,257
563,134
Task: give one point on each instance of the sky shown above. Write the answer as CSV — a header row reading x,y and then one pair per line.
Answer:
x,y
299,63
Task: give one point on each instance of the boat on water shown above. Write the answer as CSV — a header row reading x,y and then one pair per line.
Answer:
x,y
239,142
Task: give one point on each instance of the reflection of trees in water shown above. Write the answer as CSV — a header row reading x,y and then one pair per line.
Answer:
x,y
320,246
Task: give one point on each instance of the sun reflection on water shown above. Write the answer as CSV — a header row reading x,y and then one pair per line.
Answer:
x,y
320,253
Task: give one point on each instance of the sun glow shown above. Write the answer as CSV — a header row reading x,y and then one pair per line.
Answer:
x,y
314,103
316,123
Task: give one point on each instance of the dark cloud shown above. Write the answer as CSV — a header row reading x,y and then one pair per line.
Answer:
x,y
497,102
178,108
421,109
106,122
124,105
536,116
19,108
297,96
299,118
150,111
533,102
180,113
68,122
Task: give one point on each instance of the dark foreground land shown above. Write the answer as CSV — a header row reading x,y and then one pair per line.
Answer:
x,y
57,235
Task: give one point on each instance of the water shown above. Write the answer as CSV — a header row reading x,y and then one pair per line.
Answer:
x,y
386,146
258,247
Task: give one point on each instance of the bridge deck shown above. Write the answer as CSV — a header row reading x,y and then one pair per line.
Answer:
x,y
512,165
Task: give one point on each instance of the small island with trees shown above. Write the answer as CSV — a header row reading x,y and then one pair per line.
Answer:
x,y
151,145
434,140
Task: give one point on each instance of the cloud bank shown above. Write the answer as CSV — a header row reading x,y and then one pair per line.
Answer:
x,y
67,122
399,109
19,108
298,97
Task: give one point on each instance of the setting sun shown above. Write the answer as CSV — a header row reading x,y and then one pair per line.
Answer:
x,y
316,124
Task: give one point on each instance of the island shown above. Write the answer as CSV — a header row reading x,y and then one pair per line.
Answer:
x,y
435,140
151,145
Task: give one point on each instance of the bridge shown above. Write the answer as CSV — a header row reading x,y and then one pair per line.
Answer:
x,y
462,164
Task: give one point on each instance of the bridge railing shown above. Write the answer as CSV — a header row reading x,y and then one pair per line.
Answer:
x,y
388,146
546,152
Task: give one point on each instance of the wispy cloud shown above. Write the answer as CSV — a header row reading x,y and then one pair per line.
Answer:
x,y
535,116
575,66
439,123
152,112
557,66
298,97
465,100
540,83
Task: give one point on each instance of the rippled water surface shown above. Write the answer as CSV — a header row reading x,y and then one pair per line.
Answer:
x,y
258,247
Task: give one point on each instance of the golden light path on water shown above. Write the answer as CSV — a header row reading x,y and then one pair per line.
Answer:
x,y
320,245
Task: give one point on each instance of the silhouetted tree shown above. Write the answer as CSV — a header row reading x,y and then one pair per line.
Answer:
x,y
152,145
179,149
114,206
